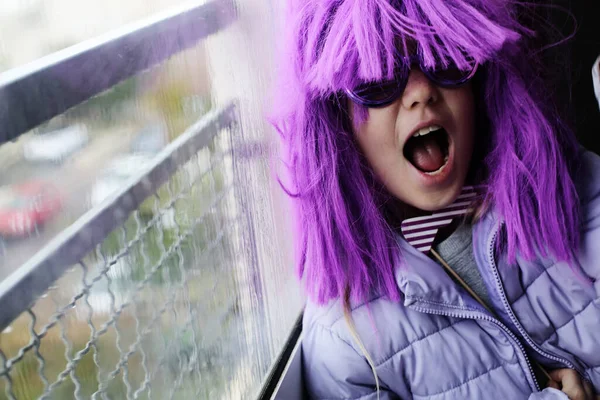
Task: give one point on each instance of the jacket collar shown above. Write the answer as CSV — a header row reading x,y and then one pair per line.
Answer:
x,y
424,282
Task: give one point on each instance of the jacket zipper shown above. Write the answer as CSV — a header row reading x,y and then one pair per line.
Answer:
x,y
485,317
514,318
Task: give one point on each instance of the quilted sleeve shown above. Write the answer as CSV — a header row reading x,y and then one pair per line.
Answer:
x,y
333,369
589,192
589,259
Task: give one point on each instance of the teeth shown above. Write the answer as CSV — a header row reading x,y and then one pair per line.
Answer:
x,y
426,130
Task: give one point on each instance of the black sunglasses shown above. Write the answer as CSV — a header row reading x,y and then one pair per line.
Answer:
x,y
383,93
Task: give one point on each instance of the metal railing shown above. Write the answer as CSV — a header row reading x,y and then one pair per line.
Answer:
x,y
138,298
33,94
172,282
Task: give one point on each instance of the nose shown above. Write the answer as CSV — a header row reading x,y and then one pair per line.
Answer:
x,y
419,91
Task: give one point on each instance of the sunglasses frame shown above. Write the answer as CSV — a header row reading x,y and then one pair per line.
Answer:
x,y
401,83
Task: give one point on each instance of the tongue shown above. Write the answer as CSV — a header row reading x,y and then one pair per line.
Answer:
x,y
427,156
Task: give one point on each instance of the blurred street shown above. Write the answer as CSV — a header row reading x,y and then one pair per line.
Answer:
x,y
73,178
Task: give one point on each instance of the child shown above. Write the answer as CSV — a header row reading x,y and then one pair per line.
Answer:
x,y
388,109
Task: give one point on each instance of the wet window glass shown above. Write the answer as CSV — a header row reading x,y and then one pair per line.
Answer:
x,y
42,27
146,215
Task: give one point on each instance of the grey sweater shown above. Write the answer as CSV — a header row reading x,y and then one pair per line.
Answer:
x,y
457,251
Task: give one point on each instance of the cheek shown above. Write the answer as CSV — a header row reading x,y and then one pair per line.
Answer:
x,y
378,142
462,106
377,130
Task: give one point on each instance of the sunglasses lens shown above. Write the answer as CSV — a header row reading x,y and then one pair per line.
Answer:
x,y
452,75
376,92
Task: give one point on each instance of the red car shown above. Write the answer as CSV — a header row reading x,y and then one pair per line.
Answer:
x,y
24,208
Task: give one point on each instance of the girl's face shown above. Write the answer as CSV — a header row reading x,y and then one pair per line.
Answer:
x,y
420,146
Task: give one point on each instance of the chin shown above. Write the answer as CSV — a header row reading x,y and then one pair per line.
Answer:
x,y
435,200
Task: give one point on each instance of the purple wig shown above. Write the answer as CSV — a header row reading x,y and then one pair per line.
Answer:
x,y
344,242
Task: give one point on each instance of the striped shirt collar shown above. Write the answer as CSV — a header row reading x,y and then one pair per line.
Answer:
x,y
420,232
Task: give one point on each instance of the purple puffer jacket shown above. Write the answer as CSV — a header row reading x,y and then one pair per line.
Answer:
x,y
439,343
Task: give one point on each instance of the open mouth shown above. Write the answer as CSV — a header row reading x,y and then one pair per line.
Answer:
x,y
427,150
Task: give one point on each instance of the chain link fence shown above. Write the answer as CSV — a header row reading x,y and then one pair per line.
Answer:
x,y
153,310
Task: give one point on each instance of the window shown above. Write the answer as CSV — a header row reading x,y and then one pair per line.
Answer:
x,y
161,271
